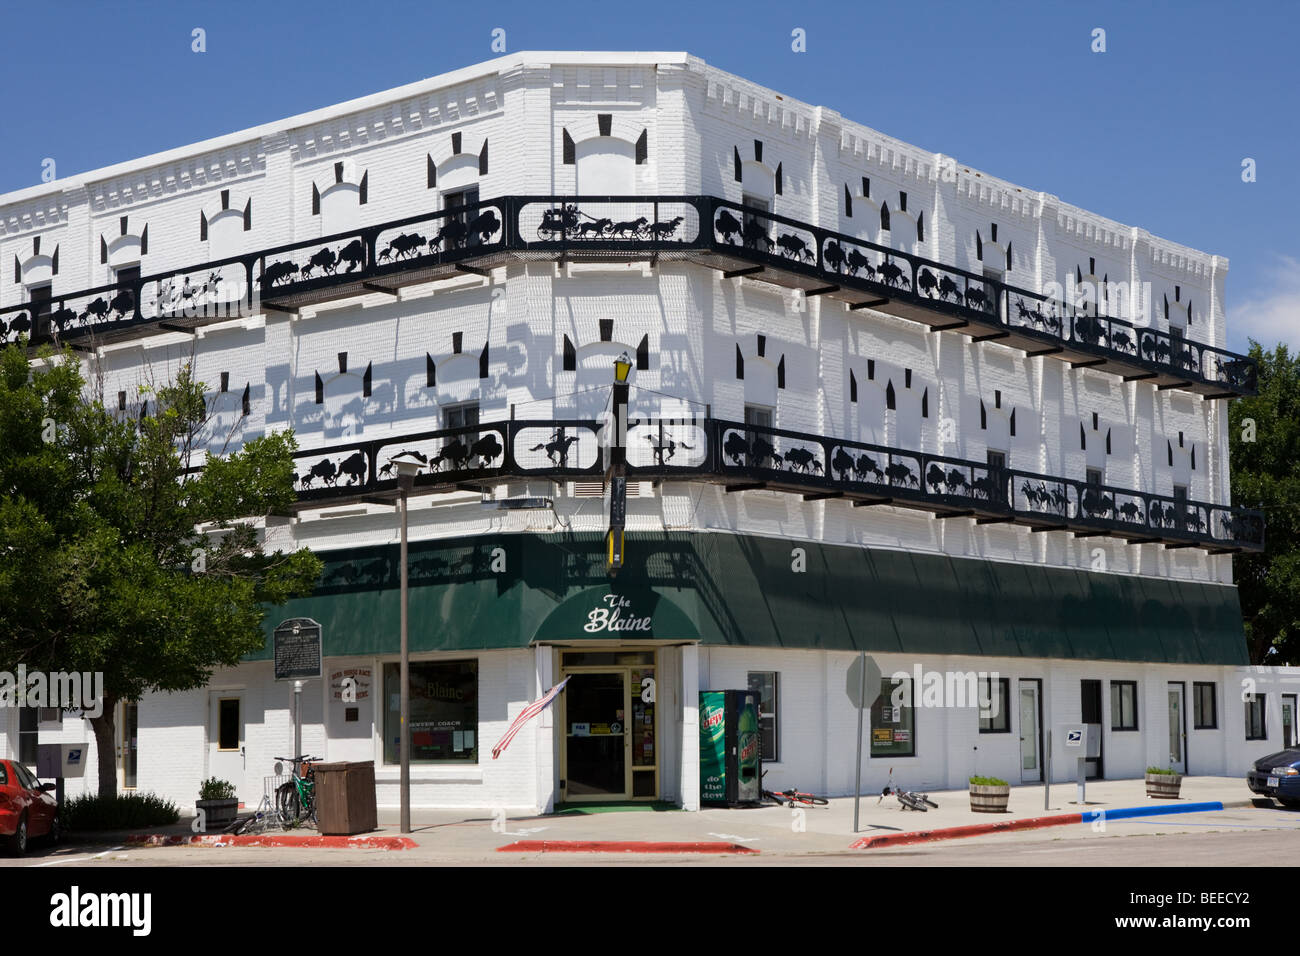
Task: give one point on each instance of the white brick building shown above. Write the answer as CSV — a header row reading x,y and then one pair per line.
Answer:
x,y
881,401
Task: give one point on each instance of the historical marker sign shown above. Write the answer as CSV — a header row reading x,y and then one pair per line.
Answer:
x,y
297,650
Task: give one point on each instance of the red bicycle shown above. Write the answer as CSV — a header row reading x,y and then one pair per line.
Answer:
x,y
794,798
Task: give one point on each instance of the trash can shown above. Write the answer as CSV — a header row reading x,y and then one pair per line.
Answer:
x,y
345,798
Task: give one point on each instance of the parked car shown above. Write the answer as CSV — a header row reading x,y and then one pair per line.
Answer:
x,y
1277,776
27,808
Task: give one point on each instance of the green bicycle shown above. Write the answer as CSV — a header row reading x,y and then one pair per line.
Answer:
x,y
296,799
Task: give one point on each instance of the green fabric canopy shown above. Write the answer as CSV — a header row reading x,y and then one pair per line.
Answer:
x,y
504,591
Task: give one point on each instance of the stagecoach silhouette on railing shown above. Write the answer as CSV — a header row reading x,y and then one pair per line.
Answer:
x,y
568,222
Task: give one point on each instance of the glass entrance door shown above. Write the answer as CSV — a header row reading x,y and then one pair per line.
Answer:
x,y
1288,720
595,725
610,726
1030,768
1177,730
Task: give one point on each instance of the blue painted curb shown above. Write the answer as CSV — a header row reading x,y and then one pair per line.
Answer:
x,y
1123,813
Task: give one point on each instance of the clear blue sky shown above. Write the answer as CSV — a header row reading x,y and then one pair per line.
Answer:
x,y
1152,132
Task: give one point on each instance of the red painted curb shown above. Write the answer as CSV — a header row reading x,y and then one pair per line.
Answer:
x,y
619,846
273,840
970,830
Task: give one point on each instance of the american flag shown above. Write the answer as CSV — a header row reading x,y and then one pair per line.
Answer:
x,y
525,715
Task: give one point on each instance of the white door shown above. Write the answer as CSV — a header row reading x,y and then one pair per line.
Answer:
x,y
1031,770
1177,728
226,737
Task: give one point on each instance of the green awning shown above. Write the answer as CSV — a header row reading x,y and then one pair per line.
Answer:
x,y
505,591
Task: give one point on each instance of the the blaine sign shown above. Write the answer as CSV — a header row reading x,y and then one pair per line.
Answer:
x,y
616,615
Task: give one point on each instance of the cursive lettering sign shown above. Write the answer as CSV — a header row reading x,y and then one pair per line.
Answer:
x,y
616,615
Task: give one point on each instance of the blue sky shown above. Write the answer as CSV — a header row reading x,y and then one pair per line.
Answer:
x,y
1152,132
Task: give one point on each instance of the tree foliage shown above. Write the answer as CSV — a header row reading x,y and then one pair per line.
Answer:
x,y
121,554
1264,445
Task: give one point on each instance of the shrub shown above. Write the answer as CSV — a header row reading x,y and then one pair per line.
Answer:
x,y
1163,771
214,789
120,812
988,782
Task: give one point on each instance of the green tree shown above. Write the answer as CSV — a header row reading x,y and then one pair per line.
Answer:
x,y
1264,448
121,556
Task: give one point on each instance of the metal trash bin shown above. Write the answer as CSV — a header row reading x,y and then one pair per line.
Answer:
x,y
345,798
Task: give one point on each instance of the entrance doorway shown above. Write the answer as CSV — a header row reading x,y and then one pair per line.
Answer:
x,y
1090,713
1031,732
1177,727
1288,721
226,738
128,736
609,722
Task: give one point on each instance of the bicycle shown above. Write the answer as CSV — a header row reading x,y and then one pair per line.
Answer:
x,y
910,799
266,815
296,800
794,797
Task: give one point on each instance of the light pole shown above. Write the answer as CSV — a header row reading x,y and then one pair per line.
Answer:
x,y
617,471
408,466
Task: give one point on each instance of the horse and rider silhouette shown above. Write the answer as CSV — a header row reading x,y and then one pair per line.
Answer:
x,y
557,449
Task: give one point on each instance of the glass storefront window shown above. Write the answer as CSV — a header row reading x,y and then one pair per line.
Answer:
x,y
444,712
893,721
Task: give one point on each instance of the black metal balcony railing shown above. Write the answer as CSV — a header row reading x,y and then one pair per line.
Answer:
x,y
715,232
743,457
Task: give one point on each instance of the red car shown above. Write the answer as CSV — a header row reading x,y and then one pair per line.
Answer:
x,y
27,808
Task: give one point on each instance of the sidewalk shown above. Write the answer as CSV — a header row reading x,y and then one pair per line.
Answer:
x,y
481,835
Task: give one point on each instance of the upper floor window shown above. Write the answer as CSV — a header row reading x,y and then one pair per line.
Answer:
x,y
455,203
39,296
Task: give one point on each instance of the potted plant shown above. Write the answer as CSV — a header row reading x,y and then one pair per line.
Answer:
x,y
218,803
1163,783
989,794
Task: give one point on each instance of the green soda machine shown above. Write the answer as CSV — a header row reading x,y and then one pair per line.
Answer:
x,y
731,751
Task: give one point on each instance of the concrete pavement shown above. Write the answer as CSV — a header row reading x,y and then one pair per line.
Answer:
x,y
479,835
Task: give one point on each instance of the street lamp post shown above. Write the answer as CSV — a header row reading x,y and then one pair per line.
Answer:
x,y
617,470
408,466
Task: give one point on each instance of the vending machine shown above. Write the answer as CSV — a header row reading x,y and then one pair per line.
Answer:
x,y
731,750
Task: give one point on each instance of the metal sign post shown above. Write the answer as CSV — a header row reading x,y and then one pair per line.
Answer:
x,y
297,653
862,672
857,776
1047,777
297,717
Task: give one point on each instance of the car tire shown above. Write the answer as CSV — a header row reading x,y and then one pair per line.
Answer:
x,y
17,844
56,832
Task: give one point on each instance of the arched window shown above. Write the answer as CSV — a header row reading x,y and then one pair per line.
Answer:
x,y
606,167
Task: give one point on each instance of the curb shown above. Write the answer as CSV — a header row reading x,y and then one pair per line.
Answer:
x,y
1027,823
620,846
316,842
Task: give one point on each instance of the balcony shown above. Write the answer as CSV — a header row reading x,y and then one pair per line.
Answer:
x,y
748,457
713,232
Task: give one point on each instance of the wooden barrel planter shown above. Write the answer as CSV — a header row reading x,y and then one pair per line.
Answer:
x,y
218,814
989,799
1164,786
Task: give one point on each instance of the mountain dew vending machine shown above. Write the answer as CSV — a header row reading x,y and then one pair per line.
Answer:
x,y
731,750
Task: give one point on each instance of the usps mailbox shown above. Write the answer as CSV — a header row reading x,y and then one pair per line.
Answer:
x,y
1083,742
61,760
